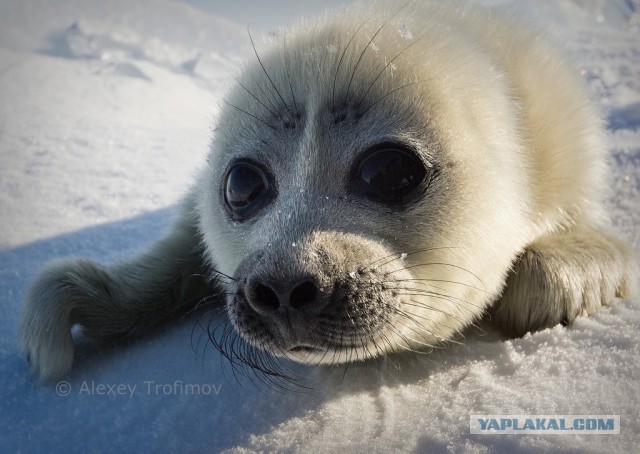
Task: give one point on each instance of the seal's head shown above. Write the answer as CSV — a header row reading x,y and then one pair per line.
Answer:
x,y
352,187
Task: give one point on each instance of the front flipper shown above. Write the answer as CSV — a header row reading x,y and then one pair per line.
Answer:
x,y
125,300
560,277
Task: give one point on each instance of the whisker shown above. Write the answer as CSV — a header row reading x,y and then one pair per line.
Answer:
x,y
258,364
255,97
392,92
275,111
411,316
286,67
404,255
250,114
267,74
409,347
383,70
428,281
436,264
355,68
436,295
344,51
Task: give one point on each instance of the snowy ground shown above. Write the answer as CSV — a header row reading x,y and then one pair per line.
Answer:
x,y
106,111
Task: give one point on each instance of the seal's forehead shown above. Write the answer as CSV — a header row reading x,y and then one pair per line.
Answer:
x,y
334,80
330,65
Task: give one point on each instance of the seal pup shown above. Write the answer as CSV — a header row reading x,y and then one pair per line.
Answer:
x,y
379,179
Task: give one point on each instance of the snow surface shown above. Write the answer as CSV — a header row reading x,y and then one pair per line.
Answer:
x,y
107,108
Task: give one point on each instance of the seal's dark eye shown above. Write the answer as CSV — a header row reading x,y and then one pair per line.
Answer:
x,y
389,174
246,188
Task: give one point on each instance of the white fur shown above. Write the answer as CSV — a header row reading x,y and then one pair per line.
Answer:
x,y
491,103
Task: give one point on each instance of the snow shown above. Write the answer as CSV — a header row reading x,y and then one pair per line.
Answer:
x,y
107,109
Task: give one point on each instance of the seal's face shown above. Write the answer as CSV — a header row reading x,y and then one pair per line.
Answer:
x,y
347,197
321,281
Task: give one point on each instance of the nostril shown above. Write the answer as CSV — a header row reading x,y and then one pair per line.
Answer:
x,y
271,297
266,298
303,294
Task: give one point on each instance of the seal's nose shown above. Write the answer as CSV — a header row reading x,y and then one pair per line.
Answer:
x,y
267,297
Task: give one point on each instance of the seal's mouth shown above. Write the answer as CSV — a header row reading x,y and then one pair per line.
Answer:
x,y
304,349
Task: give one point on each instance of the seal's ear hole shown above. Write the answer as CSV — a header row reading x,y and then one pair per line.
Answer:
x,y
389,174
247,187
